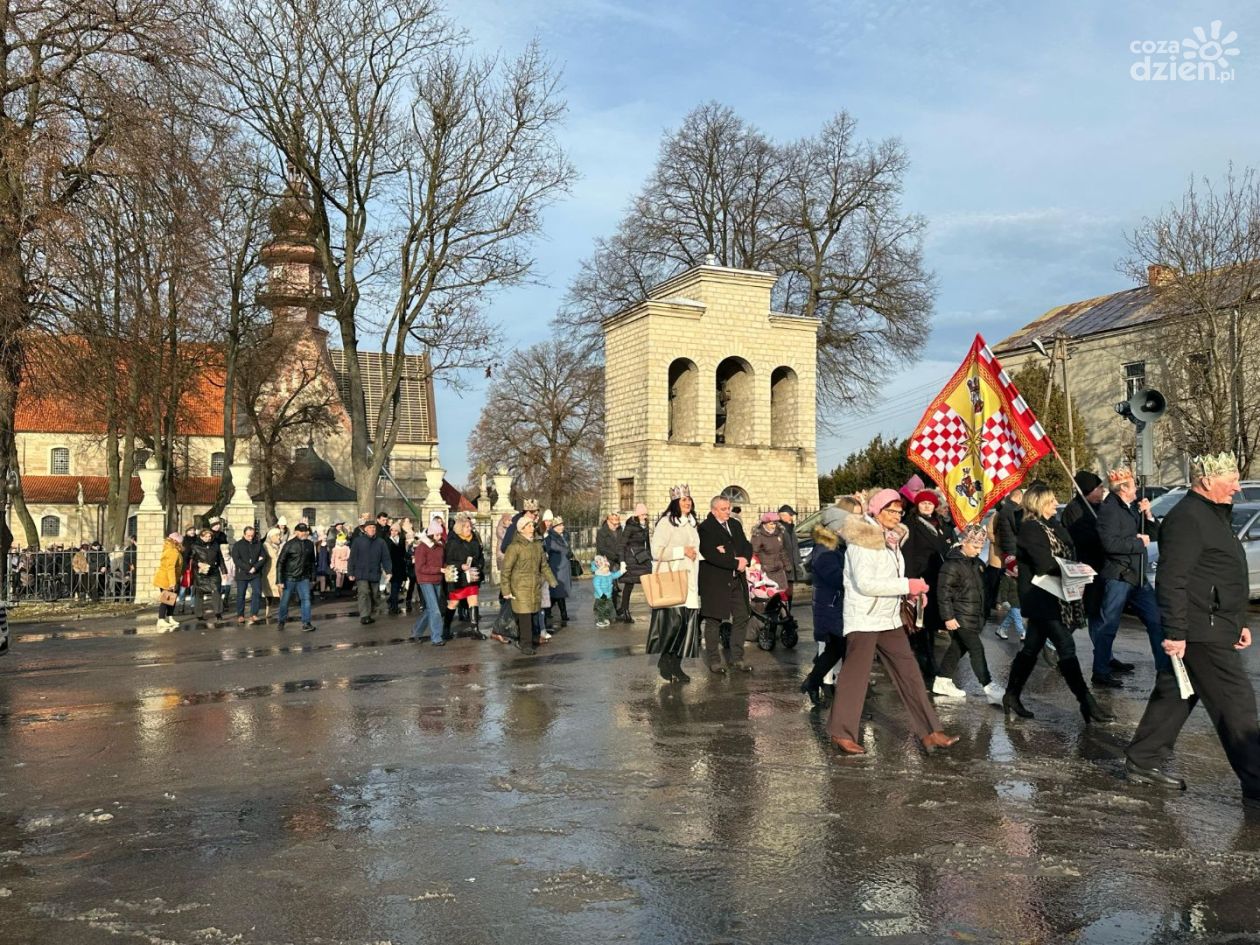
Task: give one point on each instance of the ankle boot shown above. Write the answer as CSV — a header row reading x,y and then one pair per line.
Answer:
x,y
1091,711
448,615
665,666
1021,668
476,624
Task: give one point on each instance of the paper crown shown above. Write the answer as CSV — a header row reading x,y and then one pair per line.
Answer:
x,y
679,491
1218,465
1117,476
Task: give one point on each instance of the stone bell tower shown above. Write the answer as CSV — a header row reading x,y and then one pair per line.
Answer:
x,y
295,290
704,384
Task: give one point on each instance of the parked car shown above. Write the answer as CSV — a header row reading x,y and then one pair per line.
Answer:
x,y
1246,523
1249,492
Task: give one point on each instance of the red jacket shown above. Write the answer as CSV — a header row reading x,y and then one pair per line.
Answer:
x,y
428,562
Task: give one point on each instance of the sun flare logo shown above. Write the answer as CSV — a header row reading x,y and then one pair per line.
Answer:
x,y
1204,57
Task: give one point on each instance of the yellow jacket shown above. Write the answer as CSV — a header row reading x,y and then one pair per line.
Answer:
x,y
171,567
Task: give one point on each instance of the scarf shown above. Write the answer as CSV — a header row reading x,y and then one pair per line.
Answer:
x,y
1072,612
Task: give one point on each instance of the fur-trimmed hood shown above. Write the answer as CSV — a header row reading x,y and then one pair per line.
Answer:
x,y
825,536
867,533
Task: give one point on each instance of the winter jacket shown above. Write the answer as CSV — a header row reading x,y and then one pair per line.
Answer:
x,y
1081,523
339,558
270,580
669,544
427,559
611,543
874,577
171,567
207,553
1118,528
925,549
961,594
602,584
770,550
1202,582
637,550
458,551
827,565
1009,520
723,590
524,571
1035,558
796,570
249,556
369,558
397,555
296,561
556,547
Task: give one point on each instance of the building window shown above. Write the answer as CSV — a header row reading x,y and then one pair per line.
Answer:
x,y
736,496
1199,371
49,526
734,421
60,464
139,458
625,494
1134,378
784,421
217,461
308,515
684,393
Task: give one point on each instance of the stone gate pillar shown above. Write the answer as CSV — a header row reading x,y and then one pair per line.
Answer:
x,y
503,488
239,511
150,531
433,501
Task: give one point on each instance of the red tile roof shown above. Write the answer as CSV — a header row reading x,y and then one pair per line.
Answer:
x,y
64,490
455,500
49,403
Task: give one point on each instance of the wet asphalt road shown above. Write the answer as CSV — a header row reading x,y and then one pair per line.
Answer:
x,y
242,787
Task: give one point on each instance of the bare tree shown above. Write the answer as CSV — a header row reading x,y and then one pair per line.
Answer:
x,y
427,169
286,393
824,213
1205,252
68,72
544,419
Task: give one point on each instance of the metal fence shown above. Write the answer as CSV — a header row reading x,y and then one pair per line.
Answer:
x,y
66,575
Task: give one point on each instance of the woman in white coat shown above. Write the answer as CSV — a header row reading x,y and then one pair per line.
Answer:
x,y
674,632
874,585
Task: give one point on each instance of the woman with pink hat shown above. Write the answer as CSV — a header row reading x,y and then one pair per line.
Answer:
x,y
875,584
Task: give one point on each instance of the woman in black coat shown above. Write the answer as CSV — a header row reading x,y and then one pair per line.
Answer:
x,y
1041,539
826,564
638,557
924,552
610,542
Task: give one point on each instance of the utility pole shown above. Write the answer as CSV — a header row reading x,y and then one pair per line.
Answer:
x,y
1061,351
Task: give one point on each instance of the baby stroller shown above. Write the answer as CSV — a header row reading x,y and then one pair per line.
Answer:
x,y
771,607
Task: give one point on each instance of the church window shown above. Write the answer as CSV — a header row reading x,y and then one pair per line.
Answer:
x,y
734,420
784,422
60,461
216,463
735,495
625,493
50,526
684,391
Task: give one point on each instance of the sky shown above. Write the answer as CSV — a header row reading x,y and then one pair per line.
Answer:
x,y
1034,150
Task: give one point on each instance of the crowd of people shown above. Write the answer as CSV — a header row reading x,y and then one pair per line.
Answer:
x,y
89,571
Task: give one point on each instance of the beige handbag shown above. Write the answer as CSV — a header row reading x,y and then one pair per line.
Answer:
x,y
665,588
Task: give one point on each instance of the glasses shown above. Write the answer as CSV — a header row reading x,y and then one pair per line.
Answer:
x,y
892,511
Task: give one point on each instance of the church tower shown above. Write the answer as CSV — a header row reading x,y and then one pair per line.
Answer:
x,y
705,385
295,290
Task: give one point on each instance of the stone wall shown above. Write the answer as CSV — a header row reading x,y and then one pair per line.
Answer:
x,y
707,315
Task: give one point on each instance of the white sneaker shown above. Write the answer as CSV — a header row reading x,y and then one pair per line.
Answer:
x,y
171,623
1002,633
945,687
546,635
994,693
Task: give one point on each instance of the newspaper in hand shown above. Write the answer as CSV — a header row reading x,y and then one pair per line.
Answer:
x,y
1183,678
1071,581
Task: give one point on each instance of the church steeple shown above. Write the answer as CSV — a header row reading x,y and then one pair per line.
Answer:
x,y
295,276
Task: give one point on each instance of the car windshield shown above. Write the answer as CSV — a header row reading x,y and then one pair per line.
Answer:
x,y
1241,517
1163,505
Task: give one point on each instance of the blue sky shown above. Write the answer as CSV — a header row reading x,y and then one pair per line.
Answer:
x,y
1032,148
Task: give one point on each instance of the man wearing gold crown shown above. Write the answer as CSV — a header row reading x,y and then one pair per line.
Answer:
x,y
1202,589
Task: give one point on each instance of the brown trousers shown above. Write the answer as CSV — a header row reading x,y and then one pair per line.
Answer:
x,y
900,664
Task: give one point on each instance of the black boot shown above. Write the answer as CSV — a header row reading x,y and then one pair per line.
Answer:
x,y
476,624
1091,711
564,612
1021,668
665,666
448,615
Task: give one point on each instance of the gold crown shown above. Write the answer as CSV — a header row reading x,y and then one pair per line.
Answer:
x,y
1209,465
1117,476
679,491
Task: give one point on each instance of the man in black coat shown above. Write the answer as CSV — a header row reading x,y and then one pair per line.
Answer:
x,y
1010,515
369,559
724,554
787,522
1202,587
1080,518
250,559
295,569
1125,528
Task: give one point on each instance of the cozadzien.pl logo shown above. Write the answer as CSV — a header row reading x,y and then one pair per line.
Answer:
x,y
1206,56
